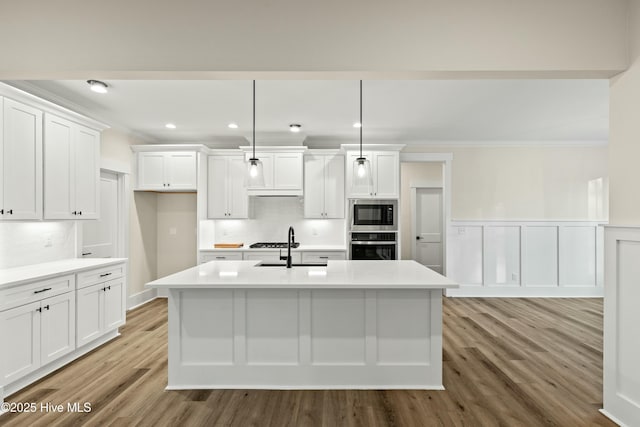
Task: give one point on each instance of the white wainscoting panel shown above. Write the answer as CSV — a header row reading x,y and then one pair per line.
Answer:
x,y
465,254
502,255
621,319
578,252
540,255
526,258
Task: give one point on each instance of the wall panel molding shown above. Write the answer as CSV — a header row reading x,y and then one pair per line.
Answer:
x,y
526,258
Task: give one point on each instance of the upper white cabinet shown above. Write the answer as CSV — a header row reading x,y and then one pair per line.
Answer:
x,y
72,170
20,161
385,172
227,195
167,171
323,186
283,172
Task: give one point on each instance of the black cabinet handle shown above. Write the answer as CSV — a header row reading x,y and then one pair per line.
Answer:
x,y
105,274
86,253
74,213
42,290
1,211
39,310
169,185
10,211
109,287
47,307
79,212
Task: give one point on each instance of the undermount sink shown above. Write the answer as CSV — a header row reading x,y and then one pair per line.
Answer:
x,y
284,265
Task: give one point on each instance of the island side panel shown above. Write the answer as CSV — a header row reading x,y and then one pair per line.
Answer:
x,y
305,338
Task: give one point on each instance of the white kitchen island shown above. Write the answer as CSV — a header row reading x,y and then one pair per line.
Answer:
x,y
352,324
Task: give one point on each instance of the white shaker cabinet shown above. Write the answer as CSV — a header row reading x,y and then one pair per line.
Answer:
x,y
72,170
100,309
323,186
167,171
283,173
20,161
35,334
385,175
227,196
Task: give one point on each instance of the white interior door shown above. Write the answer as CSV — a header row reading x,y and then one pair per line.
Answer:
x,y
428,211
99,237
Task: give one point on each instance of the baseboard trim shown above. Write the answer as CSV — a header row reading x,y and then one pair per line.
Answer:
x,y
9,389
612,418
141,298
302,387
526,292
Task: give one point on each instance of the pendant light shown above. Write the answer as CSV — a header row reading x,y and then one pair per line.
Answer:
x,y
255,172
361,166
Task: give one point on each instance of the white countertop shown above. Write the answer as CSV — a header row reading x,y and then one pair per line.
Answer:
x,y
28,273
301,248
337,274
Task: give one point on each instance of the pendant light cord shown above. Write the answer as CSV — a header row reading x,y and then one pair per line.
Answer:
x,y
254,120
360,118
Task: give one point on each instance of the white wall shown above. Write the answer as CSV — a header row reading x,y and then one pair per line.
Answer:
x,y
270,218
43,40
24,243
528,182
622,273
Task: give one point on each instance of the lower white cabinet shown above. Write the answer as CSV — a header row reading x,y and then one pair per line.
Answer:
x,y
323,256
220,256
271,256
101,308
35,334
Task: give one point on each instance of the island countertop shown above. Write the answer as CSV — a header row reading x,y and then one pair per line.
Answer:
x,y
403,274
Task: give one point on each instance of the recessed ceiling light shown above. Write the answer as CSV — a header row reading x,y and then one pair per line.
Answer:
x,y
295,127
170,126
357,125
98,86
232,126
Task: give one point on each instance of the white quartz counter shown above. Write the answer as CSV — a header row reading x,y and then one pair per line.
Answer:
x,y
337,274
28,273
301,248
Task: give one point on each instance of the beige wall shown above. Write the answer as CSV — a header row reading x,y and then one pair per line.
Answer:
x,y
143,39
176,231
116,148
424,174
528,183
624,147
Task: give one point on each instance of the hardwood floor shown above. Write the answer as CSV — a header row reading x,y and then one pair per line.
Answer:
x,y
507,362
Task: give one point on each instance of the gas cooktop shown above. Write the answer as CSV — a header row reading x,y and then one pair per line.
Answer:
x,y
274,245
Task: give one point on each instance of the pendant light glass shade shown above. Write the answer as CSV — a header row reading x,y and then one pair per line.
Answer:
x,y
361,176
255,173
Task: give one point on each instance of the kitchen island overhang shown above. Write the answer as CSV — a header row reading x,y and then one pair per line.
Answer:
x,y
349,325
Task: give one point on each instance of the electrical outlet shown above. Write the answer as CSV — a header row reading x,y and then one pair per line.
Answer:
x,y
225,232
461,230
514,276
314,231
48,241
173,231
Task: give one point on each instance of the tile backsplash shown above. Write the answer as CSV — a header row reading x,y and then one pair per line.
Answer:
x,y
25,243
270,218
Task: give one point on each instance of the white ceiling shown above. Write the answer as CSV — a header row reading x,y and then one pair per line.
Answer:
x,y
407,111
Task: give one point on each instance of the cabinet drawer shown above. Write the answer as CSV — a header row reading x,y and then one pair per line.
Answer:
x,y
35,291
323,256
220,256
98,275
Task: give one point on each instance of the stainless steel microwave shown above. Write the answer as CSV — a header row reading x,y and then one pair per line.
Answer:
x,y
373,215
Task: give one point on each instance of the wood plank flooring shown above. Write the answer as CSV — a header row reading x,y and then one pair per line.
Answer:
x,y
507,362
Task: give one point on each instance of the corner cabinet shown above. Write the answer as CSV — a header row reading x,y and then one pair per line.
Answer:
x,y
72,170
385,171
167,171
324,186
20,161
227,196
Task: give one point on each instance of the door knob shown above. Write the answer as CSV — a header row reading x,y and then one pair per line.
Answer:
x,y
418,237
